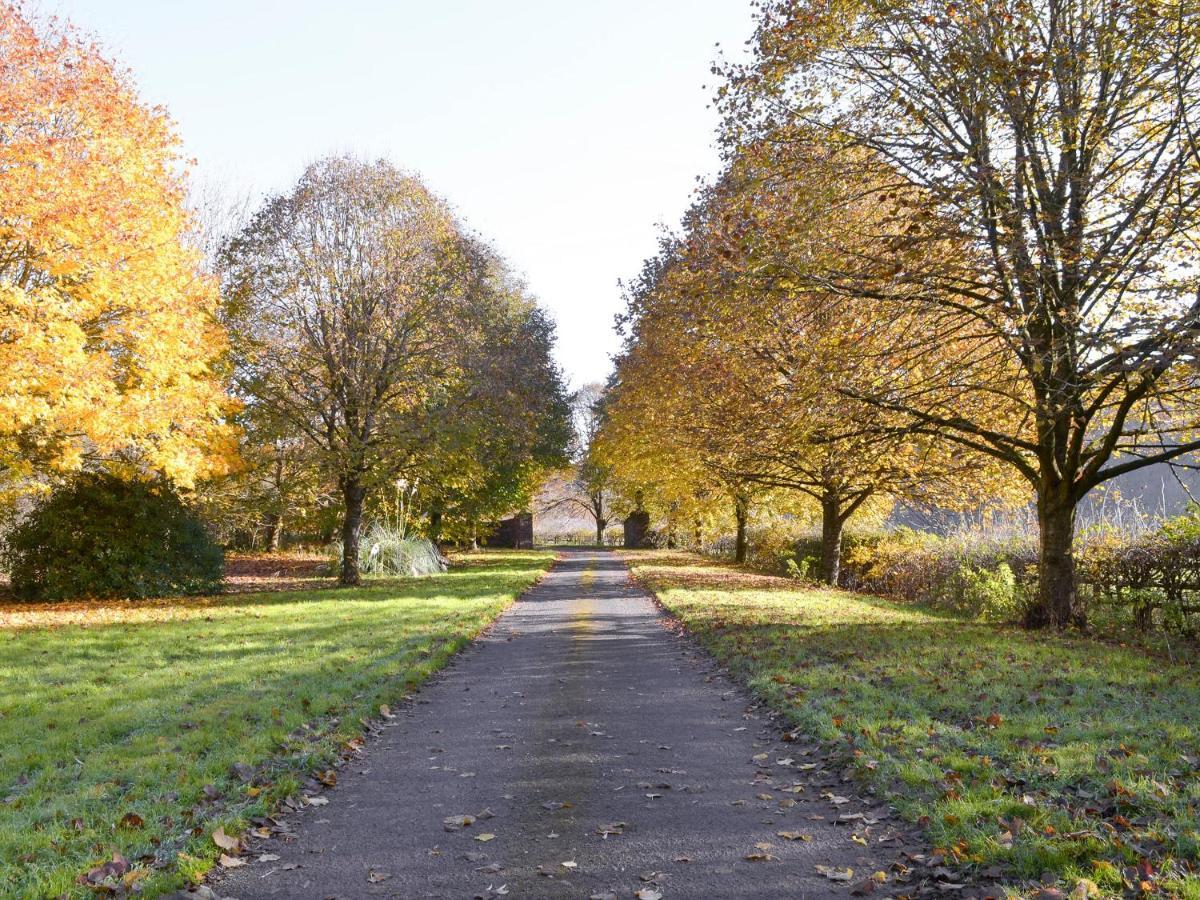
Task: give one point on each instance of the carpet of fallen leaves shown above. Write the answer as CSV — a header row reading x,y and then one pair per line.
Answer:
x,y
1024,755
244,574
133,736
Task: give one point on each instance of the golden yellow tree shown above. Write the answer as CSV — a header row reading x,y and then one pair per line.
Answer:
x,y
1053,141
108,337
757,360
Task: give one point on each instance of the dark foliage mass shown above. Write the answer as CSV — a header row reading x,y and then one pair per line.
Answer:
x,y
105,537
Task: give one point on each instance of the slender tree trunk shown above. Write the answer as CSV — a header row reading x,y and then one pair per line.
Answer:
x,y
601,519
435,524
831,539
353,495
698,534
741,509
474,535
1057,604
274,524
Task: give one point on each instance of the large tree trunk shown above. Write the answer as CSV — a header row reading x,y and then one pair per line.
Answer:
x,y
1057,603
741,510
274,526
353,495
601,525
831,539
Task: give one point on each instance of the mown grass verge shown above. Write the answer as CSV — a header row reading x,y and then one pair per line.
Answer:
x,y
1022,753
138,735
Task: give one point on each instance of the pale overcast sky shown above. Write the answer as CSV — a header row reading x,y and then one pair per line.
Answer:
x,y
563,130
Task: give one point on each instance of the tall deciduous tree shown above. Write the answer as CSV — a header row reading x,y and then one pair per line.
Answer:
x,y
1050,139
109,345
738,354
350,298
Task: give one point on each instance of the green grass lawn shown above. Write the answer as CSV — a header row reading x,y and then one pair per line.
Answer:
x,y
121,736
1030,752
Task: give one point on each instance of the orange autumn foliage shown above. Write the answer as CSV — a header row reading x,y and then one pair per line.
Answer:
x,y
108,335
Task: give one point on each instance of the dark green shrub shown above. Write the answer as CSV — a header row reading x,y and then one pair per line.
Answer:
x,y
101,536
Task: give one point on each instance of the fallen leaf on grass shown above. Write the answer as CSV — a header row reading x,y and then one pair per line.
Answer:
x,y
112,870
131,820
835,874
386,711
224,841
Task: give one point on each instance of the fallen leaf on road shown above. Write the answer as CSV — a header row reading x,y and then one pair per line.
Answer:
x,y
231,862
376,876
758,856
570,864
453,823
614,828
554,804
648,894
268,857
835,874
794,835
487,836
682,859
316,801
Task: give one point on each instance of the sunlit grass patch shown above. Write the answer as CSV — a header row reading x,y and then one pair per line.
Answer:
x,y
1030,752
110,733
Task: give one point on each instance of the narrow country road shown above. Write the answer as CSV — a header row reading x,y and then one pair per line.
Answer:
x,y
606,756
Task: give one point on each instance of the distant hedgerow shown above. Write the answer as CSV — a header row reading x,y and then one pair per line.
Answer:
x,y
105,537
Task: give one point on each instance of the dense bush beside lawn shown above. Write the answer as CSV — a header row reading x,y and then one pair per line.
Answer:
x,y
100,535
1028,752
145,730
